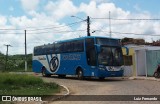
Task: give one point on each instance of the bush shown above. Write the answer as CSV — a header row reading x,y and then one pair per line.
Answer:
x,y
25,84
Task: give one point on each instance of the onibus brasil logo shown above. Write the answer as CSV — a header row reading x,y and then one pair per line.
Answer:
x,y
54,64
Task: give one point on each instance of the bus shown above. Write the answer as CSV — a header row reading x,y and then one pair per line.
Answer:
x,y
90,56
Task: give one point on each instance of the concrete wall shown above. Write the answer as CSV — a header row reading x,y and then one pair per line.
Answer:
x,y
152,59
140,62
130,70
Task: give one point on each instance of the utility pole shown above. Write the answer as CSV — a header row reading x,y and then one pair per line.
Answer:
x,y
110,33
8,45
25,52
88,26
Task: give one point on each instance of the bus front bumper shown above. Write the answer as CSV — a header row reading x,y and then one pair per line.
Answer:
x,y
105,73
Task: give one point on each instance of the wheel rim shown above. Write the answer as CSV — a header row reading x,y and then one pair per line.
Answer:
x,y
80,74
43,72
156,75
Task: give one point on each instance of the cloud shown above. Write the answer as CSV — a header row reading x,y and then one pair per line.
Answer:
x,y
40,30
102,10
29,5
3,20
101,1
61,8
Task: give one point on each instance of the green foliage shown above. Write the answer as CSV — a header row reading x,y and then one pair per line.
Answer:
x,y
21,79
21,84
15,62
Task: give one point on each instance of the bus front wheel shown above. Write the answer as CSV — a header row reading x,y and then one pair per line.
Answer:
x,y
80,74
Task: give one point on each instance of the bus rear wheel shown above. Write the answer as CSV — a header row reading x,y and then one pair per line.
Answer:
x,y
80,74
44,73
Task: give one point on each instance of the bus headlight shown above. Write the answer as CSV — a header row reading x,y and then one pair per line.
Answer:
x,y
122,68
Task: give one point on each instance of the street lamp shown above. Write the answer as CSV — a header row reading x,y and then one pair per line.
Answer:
x,y
88,23
78,18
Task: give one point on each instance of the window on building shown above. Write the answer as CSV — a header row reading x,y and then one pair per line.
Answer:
x,y
127,60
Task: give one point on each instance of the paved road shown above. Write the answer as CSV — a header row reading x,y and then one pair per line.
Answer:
x,y
108,86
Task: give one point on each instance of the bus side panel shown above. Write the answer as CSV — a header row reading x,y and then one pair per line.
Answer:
x,y
36,66
69,63
40,61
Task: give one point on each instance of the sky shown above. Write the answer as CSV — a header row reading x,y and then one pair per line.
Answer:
x,y
47,21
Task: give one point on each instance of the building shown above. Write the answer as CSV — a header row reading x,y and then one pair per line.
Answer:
x,y
141,60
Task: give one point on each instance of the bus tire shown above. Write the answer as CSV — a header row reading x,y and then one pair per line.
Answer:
x,y
80,74
44,73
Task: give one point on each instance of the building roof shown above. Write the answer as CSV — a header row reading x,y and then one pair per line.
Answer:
x,y
148,48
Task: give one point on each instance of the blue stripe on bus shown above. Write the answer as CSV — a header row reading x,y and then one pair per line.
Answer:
x,y
51,56
47,59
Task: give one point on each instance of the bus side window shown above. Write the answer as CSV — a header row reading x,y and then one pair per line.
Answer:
x,y
71,47
56,48
67,47
90,52
61,48
78,46
52,49
35,52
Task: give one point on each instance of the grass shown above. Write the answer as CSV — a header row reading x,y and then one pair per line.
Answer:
x,y
20,84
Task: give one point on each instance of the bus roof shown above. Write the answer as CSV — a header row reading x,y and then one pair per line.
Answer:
x,y
85,37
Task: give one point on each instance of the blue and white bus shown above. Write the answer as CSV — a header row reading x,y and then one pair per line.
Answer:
x,y
84,57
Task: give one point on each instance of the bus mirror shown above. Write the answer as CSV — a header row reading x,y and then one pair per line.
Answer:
x,y
127,50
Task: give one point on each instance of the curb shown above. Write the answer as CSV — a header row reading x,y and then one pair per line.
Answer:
x,y
144,78
62,96
68,92
58,98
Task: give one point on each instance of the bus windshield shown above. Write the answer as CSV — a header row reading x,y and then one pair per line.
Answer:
x,y
110,56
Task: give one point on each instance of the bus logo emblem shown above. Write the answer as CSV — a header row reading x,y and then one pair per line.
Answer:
x,y
54,64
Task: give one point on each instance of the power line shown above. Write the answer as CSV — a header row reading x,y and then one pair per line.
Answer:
x,y
47,27
128,33
10,33
138,34
55,32
152,19
10,29
46,32
138,19
53,26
